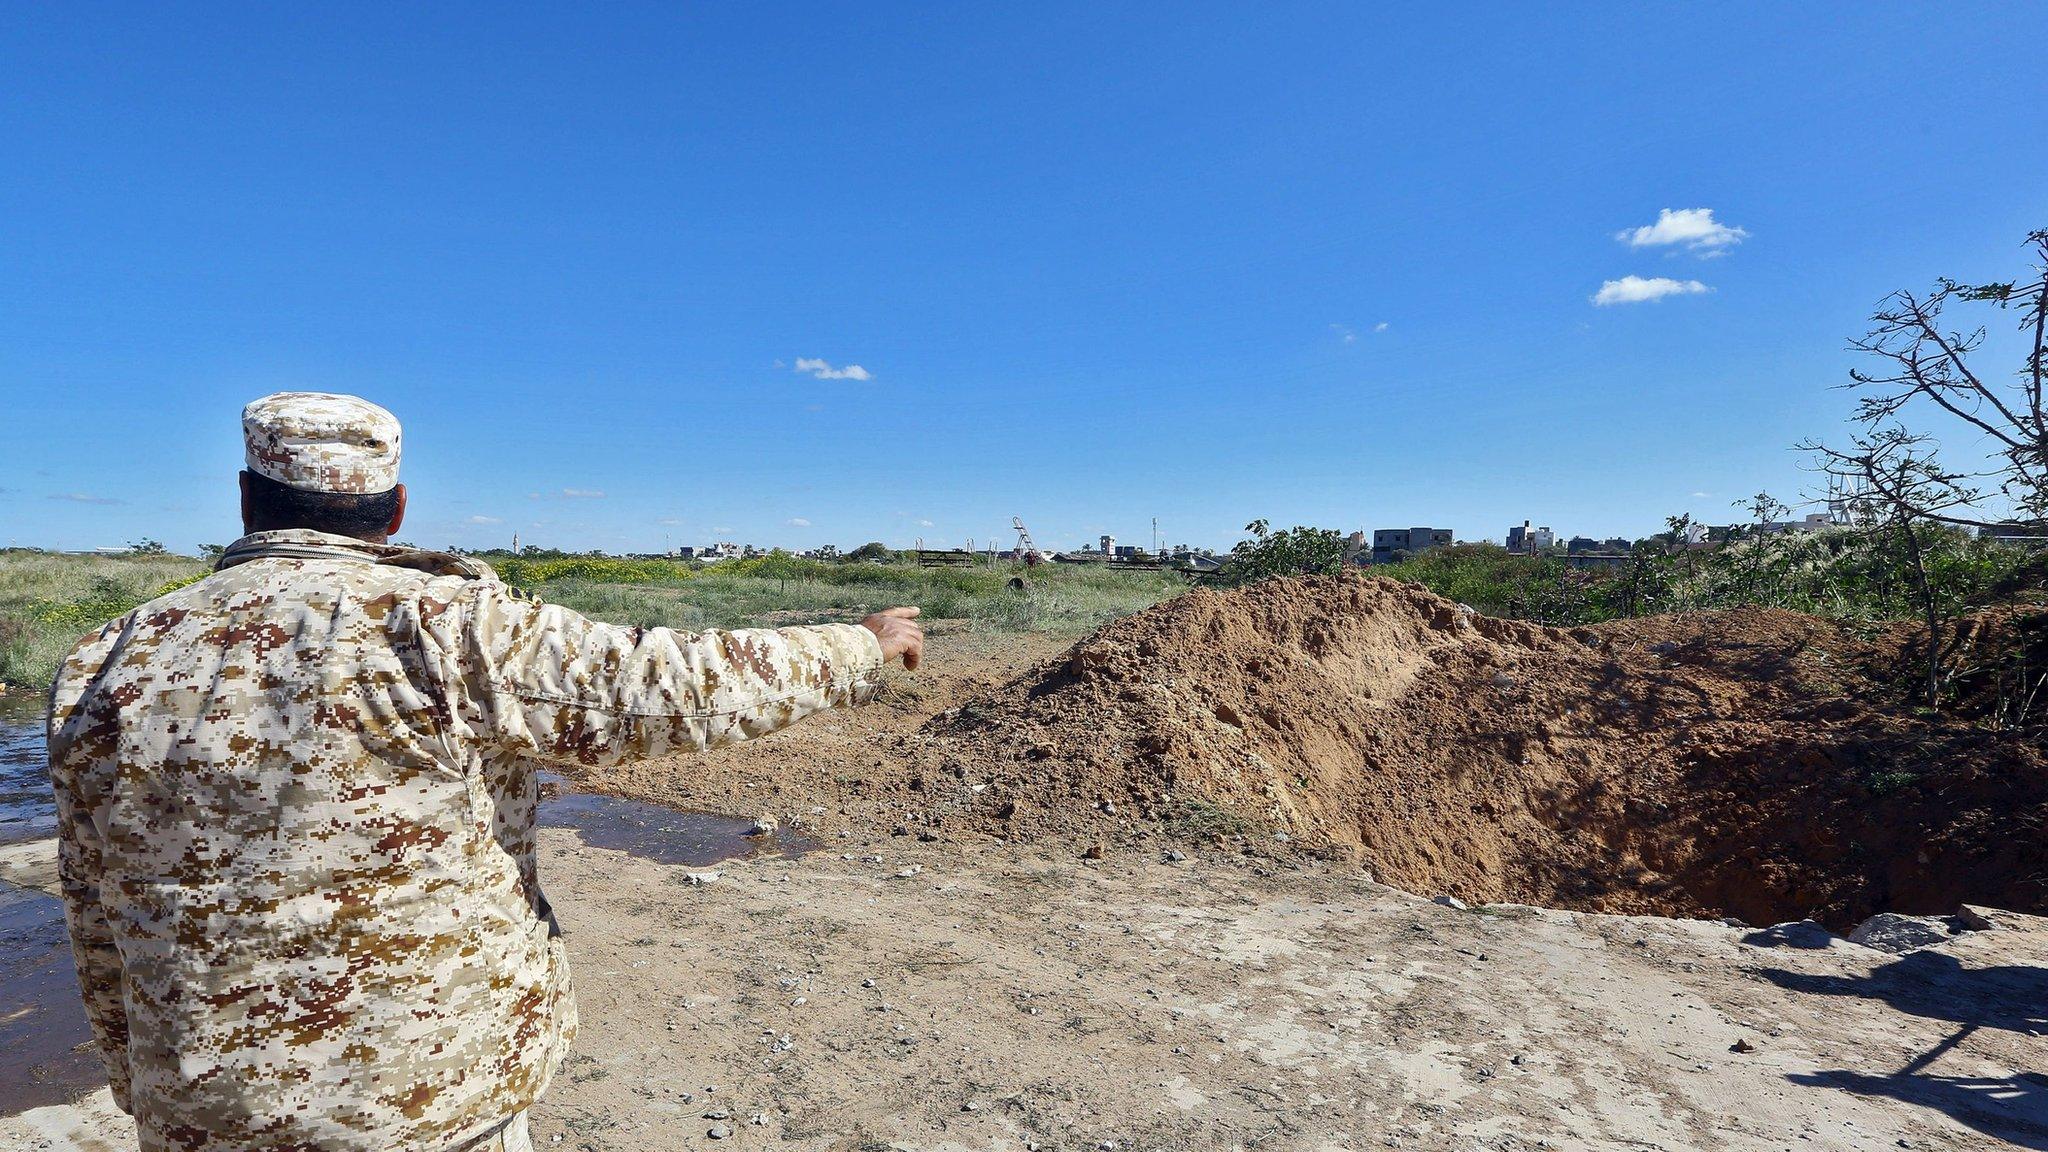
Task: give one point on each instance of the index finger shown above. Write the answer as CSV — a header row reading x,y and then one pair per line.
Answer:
x,y
900,613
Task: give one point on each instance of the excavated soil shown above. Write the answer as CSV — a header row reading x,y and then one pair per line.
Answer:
x,y
1751,763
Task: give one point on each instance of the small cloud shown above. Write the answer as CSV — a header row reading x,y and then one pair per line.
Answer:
x,y
486,520
1703,495
671,521
583,493
1380,327
825,371
1637,290
798,522
721,530
83,498
1695,228
1344,333
926,524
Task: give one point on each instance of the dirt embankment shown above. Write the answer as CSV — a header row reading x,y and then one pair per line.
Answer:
x,y
1751,763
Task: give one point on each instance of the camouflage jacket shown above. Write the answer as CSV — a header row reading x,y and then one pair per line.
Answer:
x,y
296,806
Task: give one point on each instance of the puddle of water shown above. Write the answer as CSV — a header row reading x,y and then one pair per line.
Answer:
x,y
43,1029
663,835
42,1023
27,811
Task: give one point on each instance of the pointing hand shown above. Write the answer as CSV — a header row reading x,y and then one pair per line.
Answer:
x,y
899,636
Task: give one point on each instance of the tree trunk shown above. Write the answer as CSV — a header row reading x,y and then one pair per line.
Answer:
x,y
1928,611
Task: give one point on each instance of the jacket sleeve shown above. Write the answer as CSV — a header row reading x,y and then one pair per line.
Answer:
x,y
563,687
100,979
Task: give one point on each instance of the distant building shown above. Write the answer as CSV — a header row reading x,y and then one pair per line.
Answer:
x,y
1356,550
1812,522
1597,559
1586,552
2014,532
1410,541
1530,540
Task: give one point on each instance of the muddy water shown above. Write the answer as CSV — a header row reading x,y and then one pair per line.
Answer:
x,y
663,835
43,1033
41,1023
26,810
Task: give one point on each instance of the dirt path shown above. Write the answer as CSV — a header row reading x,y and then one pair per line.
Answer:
x,y
1007,999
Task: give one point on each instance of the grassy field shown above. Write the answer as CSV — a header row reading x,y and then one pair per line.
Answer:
x,y
47,601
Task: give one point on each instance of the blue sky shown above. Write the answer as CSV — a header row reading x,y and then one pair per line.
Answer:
x,y
1328,264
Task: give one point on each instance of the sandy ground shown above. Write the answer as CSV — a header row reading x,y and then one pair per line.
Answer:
x,y
964,993
1008,999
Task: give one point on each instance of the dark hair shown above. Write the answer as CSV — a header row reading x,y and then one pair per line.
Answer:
x,y
273,506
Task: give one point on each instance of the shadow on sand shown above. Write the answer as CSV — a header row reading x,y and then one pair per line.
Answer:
x,y
1936,986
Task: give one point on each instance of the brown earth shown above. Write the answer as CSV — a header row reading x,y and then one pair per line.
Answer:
x,y
1751,763
946,998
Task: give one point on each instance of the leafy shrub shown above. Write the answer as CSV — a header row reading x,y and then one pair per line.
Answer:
x,y
1296,551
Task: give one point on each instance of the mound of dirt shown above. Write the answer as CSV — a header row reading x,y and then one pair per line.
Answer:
x,y
1750,763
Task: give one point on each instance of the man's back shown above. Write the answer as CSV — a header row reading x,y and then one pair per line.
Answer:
x,y
295,807
318,880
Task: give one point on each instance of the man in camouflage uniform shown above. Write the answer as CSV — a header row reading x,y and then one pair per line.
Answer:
x,y
296,803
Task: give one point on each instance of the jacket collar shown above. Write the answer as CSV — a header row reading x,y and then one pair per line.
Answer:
x,y
306,544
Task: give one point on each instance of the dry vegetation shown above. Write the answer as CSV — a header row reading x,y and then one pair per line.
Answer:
x,y
48,600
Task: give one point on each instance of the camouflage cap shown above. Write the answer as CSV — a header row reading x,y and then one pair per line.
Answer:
x,y
322,442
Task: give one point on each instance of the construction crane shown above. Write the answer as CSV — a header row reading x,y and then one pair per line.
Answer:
x,y
1026,550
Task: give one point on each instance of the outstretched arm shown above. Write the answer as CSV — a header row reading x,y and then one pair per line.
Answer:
x,y
563,687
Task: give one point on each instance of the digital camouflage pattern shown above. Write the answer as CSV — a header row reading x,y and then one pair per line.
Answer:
x,y
296,805
321,442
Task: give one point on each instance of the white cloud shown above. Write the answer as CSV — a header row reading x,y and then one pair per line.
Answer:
x,y
1702,495
583,493
799,522
825,371
1344,333
1695,228
1380,327
925,524
721,530
1636,290
85,498
486,520
671,521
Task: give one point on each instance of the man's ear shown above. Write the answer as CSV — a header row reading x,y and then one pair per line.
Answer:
x,y
248,512
397,515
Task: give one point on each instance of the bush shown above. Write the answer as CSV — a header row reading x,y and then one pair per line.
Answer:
x,y
1296,551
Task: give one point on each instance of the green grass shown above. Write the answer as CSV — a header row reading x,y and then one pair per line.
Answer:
x,y
47,600
739,594
1847,574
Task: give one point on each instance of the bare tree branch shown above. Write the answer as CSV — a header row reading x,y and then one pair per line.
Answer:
x,y
1924,360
